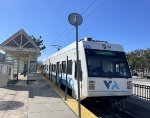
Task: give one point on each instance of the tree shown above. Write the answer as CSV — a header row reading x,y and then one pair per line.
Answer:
x,y
139,60
147,58
39,42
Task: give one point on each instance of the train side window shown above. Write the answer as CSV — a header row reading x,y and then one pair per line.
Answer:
x,y
80,70
47,67
69,71
50,67
64,66
54,67
60,67
57,67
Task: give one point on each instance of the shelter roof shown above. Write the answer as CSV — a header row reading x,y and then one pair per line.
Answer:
x,y
20,41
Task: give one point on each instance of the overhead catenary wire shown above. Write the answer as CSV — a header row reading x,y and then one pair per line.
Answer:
x,y
58,40
88,7
60,34
69,29
91,13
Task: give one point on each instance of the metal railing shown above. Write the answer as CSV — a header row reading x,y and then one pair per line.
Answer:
x,y
142,91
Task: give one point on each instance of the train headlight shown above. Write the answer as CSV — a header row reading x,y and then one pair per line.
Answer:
x,y
129,84
91,85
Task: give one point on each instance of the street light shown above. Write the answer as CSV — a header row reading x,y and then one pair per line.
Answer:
x,y
76,19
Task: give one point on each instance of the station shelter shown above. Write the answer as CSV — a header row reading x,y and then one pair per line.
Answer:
x,y
21,52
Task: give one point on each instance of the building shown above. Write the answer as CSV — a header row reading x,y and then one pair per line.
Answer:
x,y
22,53
2,57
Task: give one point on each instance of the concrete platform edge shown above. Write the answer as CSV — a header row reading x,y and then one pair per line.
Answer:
x,y
72,103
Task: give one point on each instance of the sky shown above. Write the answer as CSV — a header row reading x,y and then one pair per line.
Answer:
x,y
125,22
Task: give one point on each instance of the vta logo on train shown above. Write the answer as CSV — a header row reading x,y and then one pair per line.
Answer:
x,y
111,84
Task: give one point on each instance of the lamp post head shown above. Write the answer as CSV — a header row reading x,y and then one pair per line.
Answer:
x,y
75,19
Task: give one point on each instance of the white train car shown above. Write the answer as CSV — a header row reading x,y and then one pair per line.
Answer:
x,y
103,67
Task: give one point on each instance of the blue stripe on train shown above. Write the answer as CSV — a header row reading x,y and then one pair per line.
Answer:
x,y
70,82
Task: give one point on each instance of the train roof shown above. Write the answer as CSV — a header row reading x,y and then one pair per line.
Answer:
x,y
91,44
65,49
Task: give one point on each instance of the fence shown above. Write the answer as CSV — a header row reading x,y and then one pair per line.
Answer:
x,y
142,91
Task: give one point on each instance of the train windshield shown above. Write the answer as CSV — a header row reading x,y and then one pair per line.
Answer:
x,y
111,64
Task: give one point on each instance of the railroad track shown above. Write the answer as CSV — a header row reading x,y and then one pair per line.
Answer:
x,y
103,110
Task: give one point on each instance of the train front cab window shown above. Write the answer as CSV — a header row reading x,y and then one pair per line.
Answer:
x,y
111,64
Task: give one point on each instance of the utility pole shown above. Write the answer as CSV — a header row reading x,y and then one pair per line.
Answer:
x,y
76,19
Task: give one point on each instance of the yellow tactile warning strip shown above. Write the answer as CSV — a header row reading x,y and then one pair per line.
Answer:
x,y
72,103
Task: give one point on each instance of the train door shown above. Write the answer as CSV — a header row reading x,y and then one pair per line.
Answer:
x,y
57,72
79,75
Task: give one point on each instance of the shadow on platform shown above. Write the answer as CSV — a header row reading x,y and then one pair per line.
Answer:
x,y
10,105
35,88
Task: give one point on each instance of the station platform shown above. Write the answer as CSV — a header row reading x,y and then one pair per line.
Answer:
x,y
38,99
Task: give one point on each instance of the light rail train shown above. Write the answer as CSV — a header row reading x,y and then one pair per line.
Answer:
x,y
103,69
